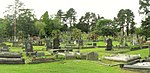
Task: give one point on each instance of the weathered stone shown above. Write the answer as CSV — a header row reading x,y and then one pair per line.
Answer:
x,y
29,47
92,56
109,44
70,56
56,43
122,57
5,49
80,42
40,54
48,44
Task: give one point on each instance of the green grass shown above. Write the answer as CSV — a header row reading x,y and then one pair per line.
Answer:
x,y
142,52
72,66
67,66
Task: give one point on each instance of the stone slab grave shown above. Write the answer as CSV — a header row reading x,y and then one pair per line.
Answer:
x,y
68,55
61,50
109,44
5,48
42,60
11,58
92,56
122,57
139,64
40,54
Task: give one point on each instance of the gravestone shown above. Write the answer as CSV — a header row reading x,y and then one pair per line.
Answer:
x,y
5,49
56,43
48,44
15,43
70,56
38,41
24,43
92,56
134,40
109,44
1,40
29,47
94,44
80,42
40,54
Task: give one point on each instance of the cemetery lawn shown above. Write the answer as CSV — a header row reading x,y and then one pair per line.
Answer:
x,y
66,66
72,66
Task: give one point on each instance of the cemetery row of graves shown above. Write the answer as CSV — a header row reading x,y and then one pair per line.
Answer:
x,y
33,51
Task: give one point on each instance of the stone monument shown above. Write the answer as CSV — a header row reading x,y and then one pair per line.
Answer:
x,y
56,43
108,44
48,44
92,56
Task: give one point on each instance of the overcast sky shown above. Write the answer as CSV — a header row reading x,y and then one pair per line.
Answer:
x,y
106,8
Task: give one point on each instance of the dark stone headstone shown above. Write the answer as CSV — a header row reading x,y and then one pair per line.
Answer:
x,y
94,44
80,42
29,47
48,44
109,44
56,43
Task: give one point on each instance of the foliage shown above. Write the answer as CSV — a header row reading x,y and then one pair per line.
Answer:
x,y
2,27
144,10
105,27
11,15
70,16
88,22
54,24
125,18
76,33
40,27
55,33
45,18
93,36
26,22
146,27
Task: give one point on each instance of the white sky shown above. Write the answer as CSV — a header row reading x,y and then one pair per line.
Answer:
x,y
107,8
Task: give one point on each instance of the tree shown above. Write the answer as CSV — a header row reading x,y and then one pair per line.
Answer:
x,y
105,27
2,27
26,22
12,13
146,27
54,24
45,18
60,15
145,10
84,27
124,18
40,27
130,21
70,16
88,22
76,33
